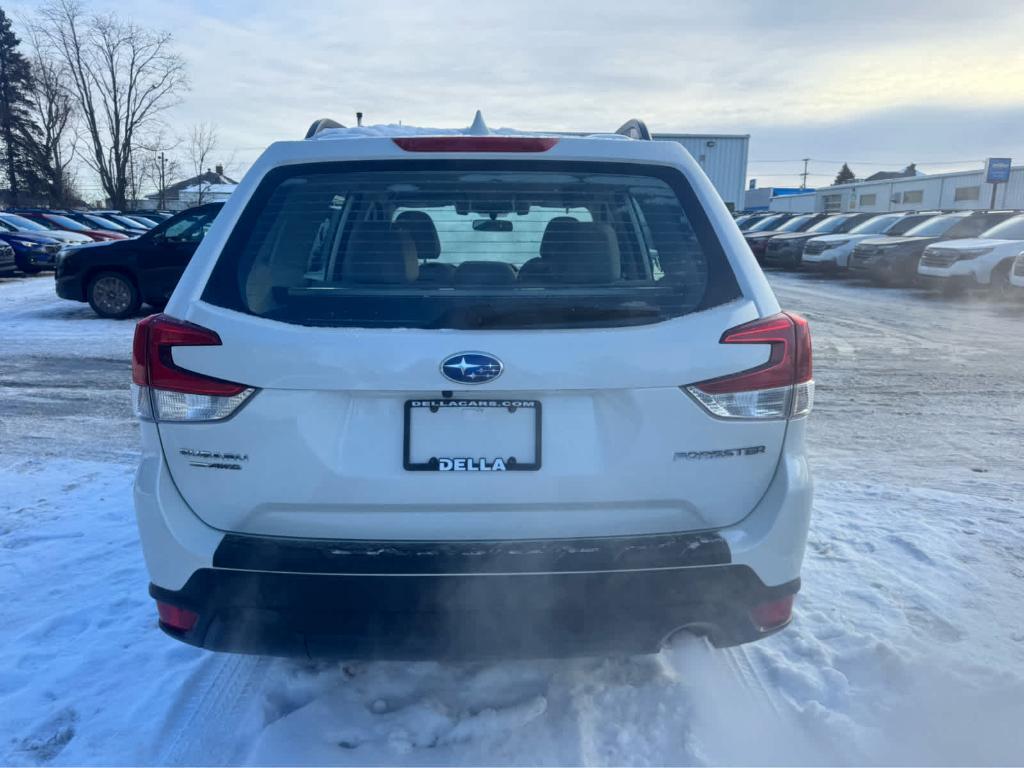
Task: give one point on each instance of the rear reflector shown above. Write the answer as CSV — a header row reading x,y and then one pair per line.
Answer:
x,y
773,614
167,392
780,388
475,143
178,619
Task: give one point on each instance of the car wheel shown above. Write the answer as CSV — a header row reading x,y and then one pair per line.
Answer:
x,y
114,295
33,270
1000,286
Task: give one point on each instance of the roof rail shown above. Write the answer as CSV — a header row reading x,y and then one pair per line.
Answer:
x,y
322,125
634,129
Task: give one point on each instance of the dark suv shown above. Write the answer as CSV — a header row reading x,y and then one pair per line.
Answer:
x,y
893,260
117,277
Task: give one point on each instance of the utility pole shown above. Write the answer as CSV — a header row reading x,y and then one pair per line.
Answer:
x,y
163,182
803,181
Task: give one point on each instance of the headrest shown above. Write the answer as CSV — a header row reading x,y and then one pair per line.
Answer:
x,y
589,253
421,229
484,273
379,254
557,229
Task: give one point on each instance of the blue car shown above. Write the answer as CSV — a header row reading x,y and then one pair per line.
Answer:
x,y
33,252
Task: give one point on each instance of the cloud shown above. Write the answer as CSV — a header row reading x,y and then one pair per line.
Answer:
x,y
783,72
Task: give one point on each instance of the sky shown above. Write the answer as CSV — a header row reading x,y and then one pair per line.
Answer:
x,y
875,84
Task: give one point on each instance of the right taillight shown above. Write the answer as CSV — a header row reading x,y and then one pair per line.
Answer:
x,y
781,388
163,391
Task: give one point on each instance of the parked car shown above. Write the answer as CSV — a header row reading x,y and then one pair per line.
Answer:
x,y
33,252
8,264
758,241
133,228
983,261
58,221
23,224
1017,273
155,216
787,250
117,277
102,223
128,222
765,223
327,468
893,260
145,221
832,252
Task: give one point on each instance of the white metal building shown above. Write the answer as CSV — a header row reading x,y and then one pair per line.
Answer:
x,y
947,191
723,158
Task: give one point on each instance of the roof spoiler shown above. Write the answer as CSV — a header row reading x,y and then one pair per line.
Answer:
x,y
323,124
635,129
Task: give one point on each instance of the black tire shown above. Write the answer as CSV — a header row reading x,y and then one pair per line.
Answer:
x,y
31,270
113,295
1000,287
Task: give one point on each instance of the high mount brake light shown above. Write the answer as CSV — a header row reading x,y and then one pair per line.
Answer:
x,y
166,392
781,388
475,143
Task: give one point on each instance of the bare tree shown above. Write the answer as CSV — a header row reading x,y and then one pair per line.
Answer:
x,y
202,143
50,143
152,165
122,76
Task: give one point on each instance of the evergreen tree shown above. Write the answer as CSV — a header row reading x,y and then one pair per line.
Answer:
x,y
15,79
844,176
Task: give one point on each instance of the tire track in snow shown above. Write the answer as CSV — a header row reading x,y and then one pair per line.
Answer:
x,y
213,707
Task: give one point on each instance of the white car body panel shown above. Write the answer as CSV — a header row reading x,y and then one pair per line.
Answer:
x,y
978,269
1017,273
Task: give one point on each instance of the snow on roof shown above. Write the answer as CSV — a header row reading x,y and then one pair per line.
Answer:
x,y
478,128
208,188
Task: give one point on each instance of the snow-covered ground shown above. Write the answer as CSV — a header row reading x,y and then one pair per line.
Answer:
x,y
908,643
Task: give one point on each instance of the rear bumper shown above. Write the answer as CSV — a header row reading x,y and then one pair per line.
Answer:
x,y
471,599
485,614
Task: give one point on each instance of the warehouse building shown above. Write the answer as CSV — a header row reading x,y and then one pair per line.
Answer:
x,y
723,158
962,190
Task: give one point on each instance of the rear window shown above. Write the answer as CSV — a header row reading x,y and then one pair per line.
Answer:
x,y
469,245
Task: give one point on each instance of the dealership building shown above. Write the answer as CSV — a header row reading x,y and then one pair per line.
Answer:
x,y
963,190
723,158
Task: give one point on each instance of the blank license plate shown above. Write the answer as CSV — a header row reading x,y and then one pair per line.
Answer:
x,y
475,435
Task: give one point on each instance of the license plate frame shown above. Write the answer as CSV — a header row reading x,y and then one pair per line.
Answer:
x,y
434,463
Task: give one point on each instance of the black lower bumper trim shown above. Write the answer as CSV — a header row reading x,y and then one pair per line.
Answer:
x,y
468,617
262,553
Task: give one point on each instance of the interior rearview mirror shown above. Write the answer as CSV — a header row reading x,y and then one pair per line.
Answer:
x,y
492,225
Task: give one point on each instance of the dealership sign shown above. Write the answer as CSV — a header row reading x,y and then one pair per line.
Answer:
x,y
997,170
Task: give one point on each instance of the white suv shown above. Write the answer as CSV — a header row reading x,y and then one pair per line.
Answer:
x,y
832,252
1017,273
466,395
983,261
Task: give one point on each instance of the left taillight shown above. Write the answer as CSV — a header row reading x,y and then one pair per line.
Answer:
x,y
781,388
164,391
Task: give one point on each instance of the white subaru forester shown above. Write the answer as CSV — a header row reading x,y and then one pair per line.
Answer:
x,y
470,395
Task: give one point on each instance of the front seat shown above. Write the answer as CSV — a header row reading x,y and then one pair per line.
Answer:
x,y
421,230
379,254
538,269
590,255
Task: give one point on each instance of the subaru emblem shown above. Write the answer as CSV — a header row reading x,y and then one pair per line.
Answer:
x,y
471,368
